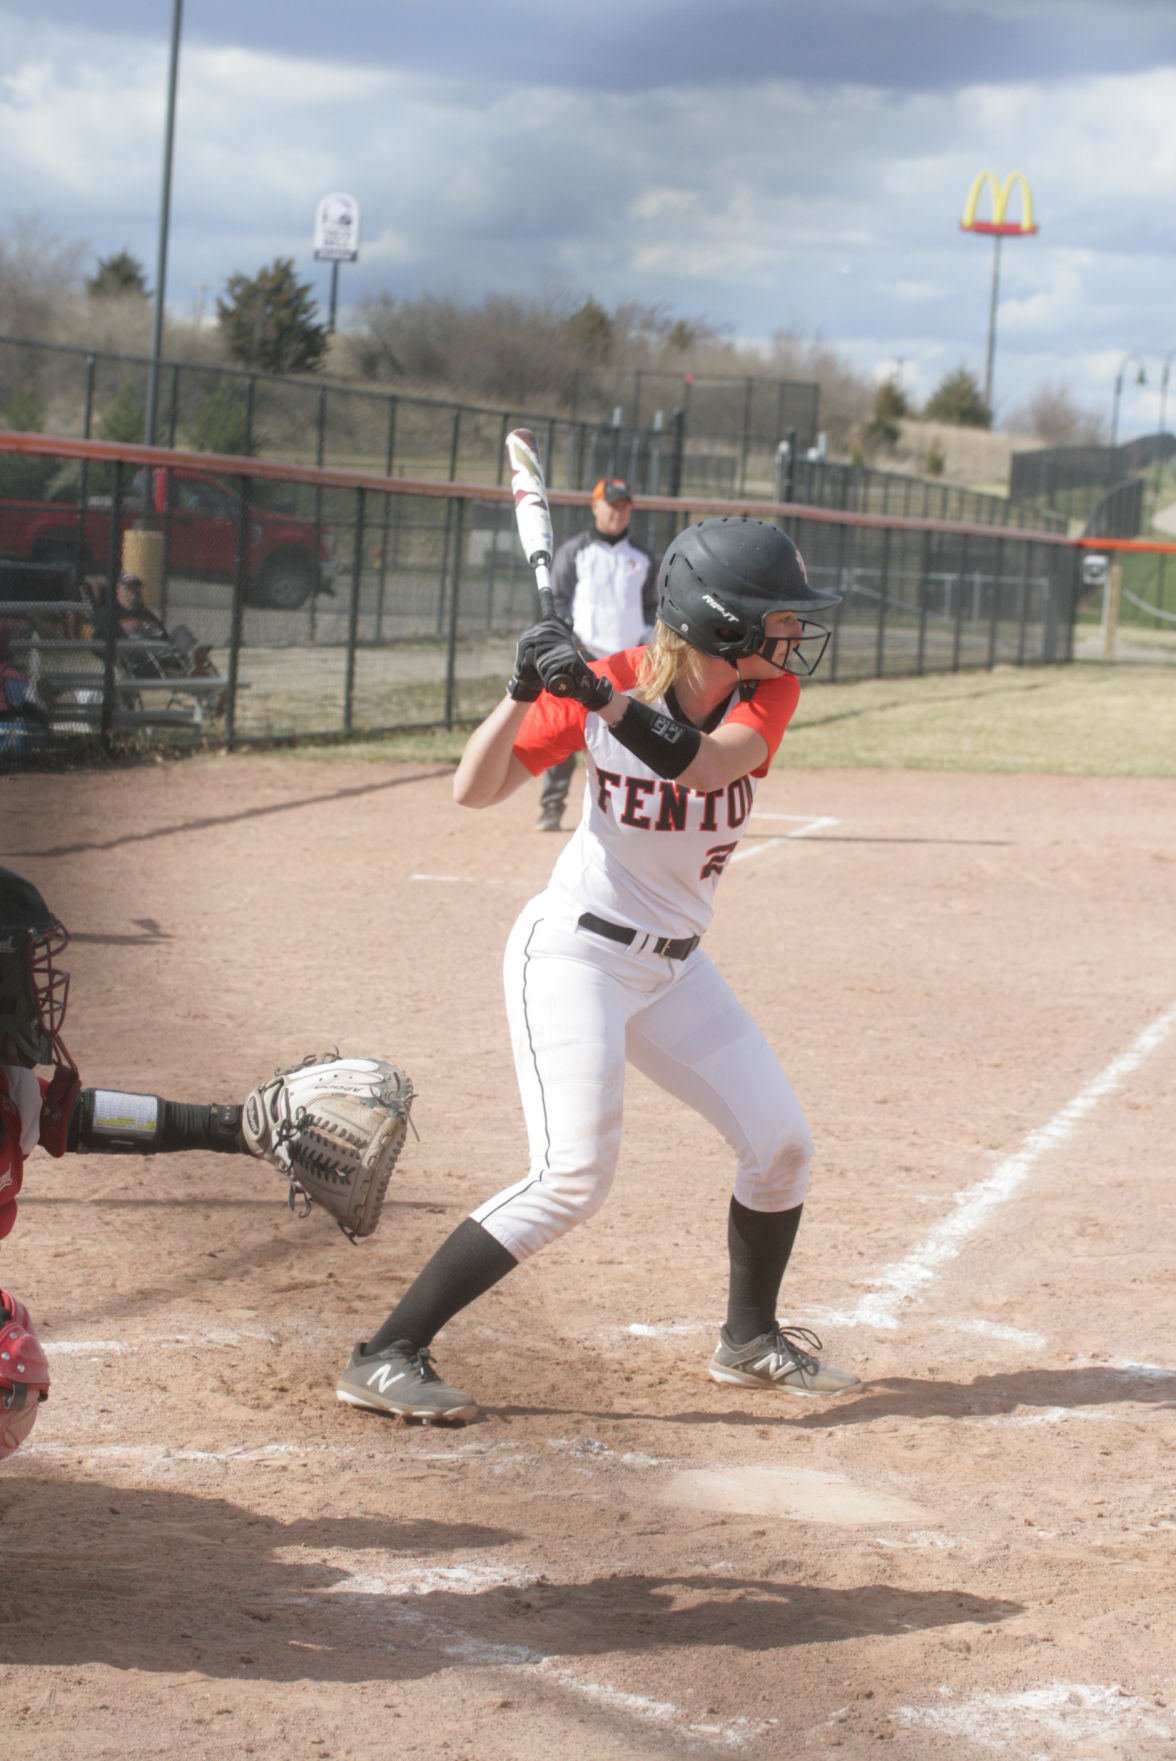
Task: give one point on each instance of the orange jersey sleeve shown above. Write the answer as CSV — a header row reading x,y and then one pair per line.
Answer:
x,y
553,727
769,712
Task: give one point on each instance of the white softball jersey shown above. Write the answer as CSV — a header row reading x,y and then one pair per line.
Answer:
x,y
582,1004
647,853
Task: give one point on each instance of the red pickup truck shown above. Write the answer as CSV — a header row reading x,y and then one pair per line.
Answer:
x,y
288,557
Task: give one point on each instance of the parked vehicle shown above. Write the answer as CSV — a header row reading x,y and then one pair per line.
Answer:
x,y
288,558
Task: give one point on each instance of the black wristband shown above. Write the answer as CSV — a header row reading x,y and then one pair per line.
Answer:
x,y
665,745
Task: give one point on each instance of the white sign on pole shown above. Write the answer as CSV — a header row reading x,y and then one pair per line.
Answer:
x,y
336,230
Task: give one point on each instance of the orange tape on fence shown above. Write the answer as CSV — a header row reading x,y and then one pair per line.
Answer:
x,y
321,477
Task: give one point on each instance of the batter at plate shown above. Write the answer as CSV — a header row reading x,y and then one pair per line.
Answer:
x,y
606,966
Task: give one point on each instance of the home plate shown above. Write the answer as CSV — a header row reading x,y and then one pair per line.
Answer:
x,y
797,1492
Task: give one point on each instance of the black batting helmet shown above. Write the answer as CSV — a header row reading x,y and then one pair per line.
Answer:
x,y
33,989
720,579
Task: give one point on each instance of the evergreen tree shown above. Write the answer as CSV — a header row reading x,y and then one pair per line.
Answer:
x,y
116,275
890,406
267,320
958,399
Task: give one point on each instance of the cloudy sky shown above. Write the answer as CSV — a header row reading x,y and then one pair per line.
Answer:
x,y
766,164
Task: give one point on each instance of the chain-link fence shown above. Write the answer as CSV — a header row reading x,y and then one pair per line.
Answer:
x,y
668,432
412,621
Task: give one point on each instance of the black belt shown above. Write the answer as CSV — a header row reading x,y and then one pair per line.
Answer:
x,y
616,932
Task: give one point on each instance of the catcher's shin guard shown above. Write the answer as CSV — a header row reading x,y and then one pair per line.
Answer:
x,y
24,1374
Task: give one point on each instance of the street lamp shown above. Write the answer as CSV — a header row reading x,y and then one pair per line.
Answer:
x,y
1140,379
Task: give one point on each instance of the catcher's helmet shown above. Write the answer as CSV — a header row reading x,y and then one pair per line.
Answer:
x,y
33,989
721,578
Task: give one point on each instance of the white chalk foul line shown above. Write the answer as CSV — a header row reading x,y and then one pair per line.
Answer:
x,y
806,824
900,1283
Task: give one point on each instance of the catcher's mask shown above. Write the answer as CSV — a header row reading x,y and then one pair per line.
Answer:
x,y
33,988
720,579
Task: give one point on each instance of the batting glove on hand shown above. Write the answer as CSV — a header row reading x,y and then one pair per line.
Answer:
x,y
524,684
565,673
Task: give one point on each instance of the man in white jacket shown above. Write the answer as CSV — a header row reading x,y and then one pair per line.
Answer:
x,y
605,587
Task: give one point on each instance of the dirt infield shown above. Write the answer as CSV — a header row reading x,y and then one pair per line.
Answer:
x,y
972,980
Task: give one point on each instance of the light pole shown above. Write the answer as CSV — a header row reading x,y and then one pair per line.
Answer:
x,y
1163,416
1140,379
164,222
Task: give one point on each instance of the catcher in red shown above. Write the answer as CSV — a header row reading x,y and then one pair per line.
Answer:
x,y
332,1126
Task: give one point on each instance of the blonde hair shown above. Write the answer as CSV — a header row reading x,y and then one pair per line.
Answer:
x,y
669,660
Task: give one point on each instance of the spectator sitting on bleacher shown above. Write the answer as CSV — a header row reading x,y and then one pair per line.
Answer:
x,y
24,723
136,622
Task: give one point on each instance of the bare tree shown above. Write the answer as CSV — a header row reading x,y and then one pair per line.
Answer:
x,y
1052,414
40,279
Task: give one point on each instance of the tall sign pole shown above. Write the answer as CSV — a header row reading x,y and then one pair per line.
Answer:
x,y
152,417
336,240
999,228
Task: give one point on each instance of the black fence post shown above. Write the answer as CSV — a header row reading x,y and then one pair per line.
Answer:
x,y
455,443
237,616
883,591
959,610
113,555
924,583
353,613
997,590
458,525
677,451
842,609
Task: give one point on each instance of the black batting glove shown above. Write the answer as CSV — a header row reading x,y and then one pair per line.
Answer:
x,y
524,684
565,673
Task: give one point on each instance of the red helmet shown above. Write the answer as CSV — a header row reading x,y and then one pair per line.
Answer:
x,y
24,1374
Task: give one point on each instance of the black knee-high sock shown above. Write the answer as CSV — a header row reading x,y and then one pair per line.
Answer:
x,y
464,1267
758,1243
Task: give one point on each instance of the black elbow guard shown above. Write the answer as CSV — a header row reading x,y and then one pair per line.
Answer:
x,y
665,745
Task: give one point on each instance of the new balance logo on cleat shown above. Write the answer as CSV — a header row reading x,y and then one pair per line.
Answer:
x,y
779,1360
401,1380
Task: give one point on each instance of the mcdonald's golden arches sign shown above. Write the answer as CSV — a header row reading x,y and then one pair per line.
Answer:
x,y
1001,196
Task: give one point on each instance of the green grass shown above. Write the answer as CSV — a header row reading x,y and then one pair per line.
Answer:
x,y
1080,720
1087,719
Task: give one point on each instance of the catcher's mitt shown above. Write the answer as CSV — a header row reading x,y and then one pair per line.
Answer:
x,y
335,1128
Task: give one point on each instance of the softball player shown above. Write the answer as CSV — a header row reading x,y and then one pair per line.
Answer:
x,y
605,966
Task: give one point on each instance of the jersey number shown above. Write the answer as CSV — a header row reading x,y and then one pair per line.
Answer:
x,y
717,858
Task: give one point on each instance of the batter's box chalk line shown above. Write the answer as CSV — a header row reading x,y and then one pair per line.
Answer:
x,y
901,1283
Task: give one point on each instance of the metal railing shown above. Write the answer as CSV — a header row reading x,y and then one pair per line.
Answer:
x,y
431,590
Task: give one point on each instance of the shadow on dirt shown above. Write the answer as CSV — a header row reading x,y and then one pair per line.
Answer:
x,y
910,1397
148,1578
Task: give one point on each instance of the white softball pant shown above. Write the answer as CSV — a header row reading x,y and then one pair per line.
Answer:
x,y
580,1006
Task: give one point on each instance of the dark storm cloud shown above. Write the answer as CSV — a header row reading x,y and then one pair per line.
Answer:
x,y
634,45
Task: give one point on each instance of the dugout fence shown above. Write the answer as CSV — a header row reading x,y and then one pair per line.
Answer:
x,y
430,589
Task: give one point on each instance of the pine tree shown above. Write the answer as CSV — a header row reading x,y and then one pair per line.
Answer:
x,y
958,399
267,320
117,275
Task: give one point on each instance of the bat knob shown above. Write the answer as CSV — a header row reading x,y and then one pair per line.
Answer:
x,y
560,687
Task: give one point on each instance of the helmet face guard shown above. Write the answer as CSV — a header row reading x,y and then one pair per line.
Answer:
x,y
802,654
34,990
722,579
